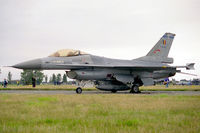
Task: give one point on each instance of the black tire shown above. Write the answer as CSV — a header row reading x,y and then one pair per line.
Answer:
x,y
79,90
135,89
113,91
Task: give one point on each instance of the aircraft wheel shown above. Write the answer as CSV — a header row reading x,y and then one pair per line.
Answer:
x,y
114,91
135,89
79,90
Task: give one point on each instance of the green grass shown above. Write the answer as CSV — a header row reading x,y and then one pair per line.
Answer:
x,y
71,87
37,113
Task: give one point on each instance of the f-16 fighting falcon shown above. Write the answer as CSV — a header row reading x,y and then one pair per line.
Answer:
x,y
112,74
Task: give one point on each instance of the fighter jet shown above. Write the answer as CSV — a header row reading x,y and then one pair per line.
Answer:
x,y
112,74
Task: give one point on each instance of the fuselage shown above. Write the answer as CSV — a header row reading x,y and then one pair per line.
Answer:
x,y
90,67
112,74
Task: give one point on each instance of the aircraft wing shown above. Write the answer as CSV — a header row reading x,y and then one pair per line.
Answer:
x,y
128,78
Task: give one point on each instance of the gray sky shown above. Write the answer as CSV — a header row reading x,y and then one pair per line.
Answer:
x,y
112,28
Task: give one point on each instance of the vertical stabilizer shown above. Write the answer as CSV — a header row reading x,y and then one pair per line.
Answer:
x,y
162,47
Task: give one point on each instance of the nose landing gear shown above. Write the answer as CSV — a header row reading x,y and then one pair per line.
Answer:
x,y
79,90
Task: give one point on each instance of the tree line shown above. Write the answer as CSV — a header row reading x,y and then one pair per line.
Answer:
x,y
27,75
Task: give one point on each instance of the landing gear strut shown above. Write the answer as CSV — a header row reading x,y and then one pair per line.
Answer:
x,y
135,89
113,91
79,90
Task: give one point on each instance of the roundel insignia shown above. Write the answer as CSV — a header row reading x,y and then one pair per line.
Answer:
x,y
155,51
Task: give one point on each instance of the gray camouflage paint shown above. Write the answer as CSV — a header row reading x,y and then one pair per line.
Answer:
x,y
113,74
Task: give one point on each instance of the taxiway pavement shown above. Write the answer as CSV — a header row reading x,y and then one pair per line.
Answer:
x,y
70,92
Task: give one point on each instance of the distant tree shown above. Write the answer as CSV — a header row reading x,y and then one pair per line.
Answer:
x,y
65,79
9,77
26,76
46,78
39,76
58,78
53,79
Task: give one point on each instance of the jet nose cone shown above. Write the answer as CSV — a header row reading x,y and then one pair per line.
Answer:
x,y
32,64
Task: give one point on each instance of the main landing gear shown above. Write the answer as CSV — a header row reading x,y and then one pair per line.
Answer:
x,y
135,89
113,91
79,90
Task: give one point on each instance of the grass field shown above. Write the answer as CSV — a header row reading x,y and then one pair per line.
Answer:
x,y
71,87
36,113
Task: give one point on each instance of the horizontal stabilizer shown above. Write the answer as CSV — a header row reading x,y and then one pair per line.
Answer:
x,y
190,66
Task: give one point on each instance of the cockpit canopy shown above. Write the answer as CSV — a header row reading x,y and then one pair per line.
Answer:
x,y
67,53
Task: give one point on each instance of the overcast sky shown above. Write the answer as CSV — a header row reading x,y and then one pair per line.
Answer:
x,y
124,29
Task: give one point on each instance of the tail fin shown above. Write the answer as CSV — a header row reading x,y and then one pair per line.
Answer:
x,y
162,47
159,53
